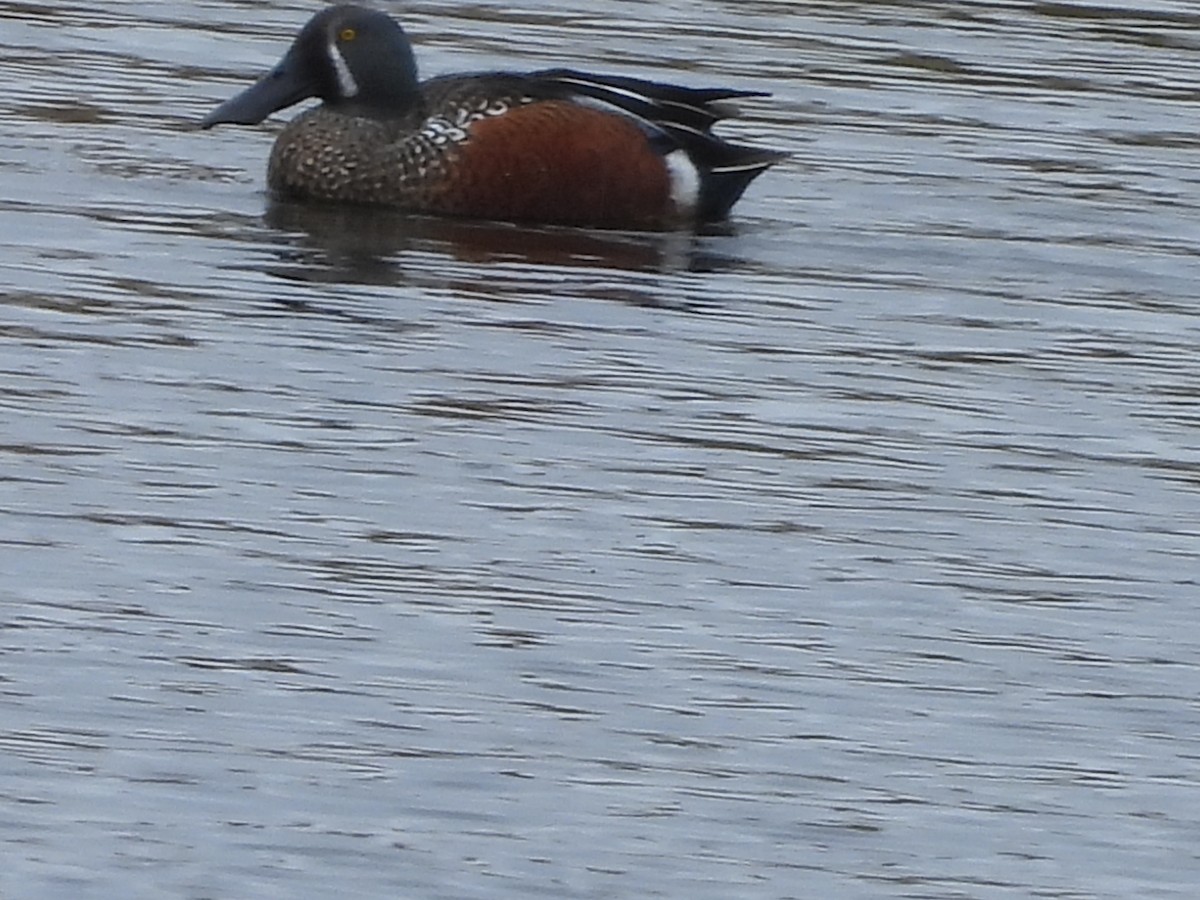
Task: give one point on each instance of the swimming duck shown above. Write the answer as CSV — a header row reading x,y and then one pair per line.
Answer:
x,y
556,146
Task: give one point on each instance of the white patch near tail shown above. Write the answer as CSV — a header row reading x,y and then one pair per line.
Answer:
x,y
685,183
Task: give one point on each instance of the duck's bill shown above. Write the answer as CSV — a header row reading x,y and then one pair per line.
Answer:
x,y
279,88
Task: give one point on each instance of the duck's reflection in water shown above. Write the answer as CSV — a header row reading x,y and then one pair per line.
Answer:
x,y
367,245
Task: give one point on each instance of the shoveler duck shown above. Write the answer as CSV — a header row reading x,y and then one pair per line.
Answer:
x,y
555,146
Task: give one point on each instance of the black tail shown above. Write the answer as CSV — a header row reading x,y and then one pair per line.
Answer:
x,y
685,116
726,170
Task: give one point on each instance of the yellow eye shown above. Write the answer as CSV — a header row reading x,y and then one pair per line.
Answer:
x,y
347,34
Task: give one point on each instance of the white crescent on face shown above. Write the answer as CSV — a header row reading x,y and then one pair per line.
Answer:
x,y
347,86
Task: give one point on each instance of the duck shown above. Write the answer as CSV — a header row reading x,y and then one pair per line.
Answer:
x,y
550,147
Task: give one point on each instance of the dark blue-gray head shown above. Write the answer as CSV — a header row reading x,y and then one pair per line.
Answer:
x,y
350,57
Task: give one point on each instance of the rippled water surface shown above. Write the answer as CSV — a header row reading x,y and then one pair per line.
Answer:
x,y
850,552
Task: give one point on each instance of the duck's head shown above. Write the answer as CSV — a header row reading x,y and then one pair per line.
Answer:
x,y
348,56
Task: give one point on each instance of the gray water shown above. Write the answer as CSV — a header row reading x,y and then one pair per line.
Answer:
x,y
848,553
